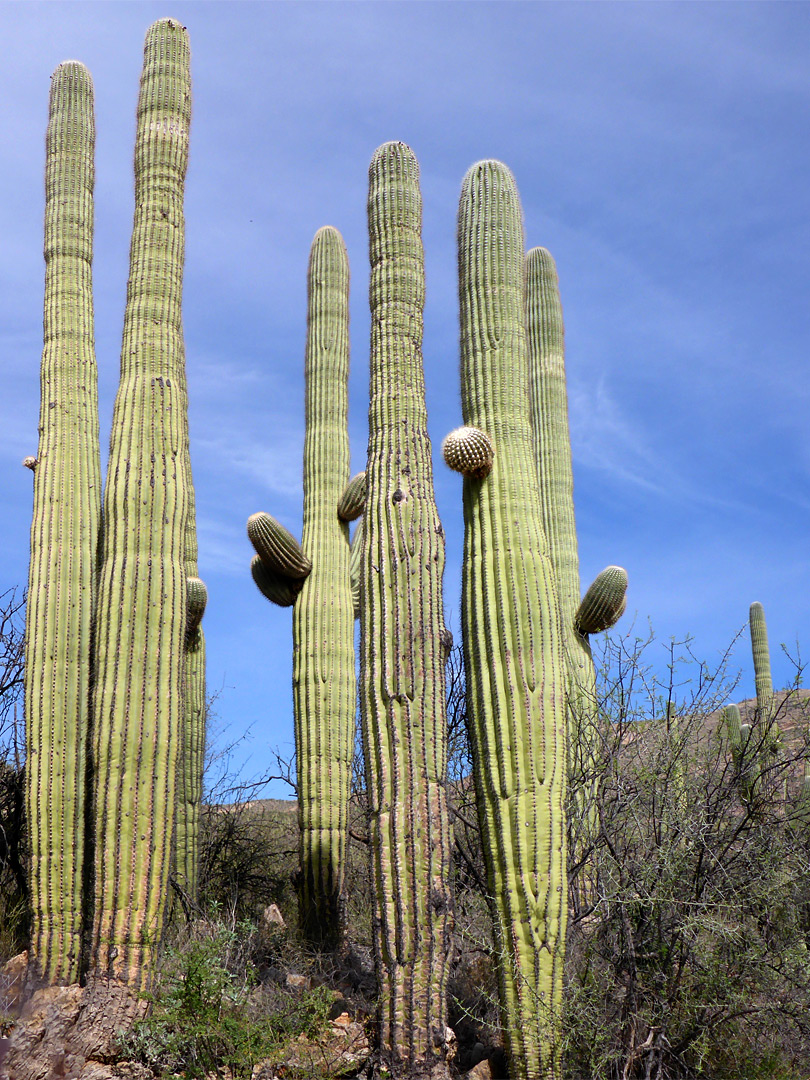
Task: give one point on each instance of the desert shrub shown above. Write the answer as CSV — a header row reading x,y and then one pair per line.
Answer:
x,y
206,1016
14,913
691,960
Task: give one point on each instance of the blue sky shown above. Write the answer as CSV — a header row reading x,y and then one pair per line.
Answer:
x,y
662,155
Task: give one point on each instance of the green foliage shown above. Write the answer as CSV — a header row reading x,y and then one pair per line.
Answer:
x,y
203,1019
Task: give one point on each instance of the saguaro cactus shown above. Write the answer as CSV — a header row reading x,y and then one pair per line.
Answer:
x,y
141,610
64,537
762,664
402,696
324,682
513,646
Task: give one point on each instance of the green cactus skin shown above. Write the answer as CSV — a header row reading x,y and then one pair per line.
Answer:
x,y
513,646
64,537
141,612
324,679
732,721
353,498
762,664
469,451
355,566
739,735
277,548
402,687
277,588
604,603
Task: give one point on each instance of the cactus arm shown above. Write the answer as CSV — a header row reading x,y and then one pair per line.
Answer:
x,y
356,566
512,638
277,548
277,588
324,681
353,498
64,537
141,610
402,690
604,603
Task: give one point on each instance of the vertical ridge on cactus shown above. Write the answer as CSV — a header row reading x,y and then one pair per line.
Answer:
x,y
512,639
402,689
64,537
141,609
324,681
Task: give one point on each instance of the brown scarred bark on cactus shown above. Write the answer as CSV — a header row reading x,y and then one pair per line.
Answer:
x,y
64,537
141,609
402,687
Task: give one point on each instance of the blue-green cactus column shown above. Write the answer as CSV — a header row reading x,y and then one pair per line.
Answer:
x,y
64,538
513,643
402,688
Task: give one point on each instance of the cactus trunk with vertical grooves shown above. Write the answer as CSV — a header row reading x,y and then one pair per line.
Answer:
x,y
324,681
64,537
141,610
762,664
513,648
402,689
546,335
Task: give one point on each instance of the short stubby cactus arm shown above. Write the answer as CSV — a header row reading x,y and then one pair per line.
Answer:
x,y
277,588
277,547
356,566
402,685
324,679
469,451
353,498
513,647
604,603
138,710
64,538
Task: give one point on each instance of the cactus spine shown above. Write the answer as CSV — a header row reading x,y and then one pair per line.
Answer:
x,y
512,639
64,537
141,610
324,681
402,690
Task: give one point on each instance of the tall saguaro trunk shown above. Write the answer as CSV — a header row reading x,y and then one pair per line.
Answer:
x,y
324,680
402,687
141,610
64,537
512,638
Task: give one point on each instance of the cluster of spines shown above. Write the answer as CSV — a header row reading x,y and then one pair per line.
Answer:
x,y
64,537
510,609
138,704
402,700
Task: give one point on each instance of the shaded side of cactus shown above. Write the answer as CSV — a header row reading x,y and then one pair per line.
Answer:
x,y
402,687
64,537
192,750
514,658
324,681
356,566
604,603
277,588
141,611
353,498
762,664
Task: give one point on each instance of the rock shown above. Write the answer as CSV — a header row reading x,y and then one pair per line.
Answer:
x,y
481,1071
12,982
273,917
298,982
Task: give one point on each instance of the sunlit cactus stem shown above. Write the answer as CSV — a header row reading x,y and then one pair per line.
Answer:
x,y
64,538
402,688
513,645
324,681
762,665
138,710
